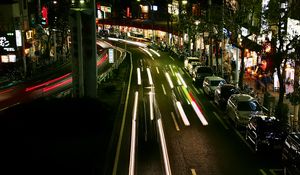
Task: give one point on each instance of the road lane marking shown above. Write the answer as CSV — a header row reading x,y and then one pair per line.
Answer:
x,y
172,58
163,88
10,106
175,122
220,120
149,76
193,172
262,172
243,139
171,69
169,80
123,120
196,89
157,70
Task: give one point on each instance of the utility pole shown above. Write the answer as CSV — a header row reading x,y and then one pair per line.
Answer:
x,y
83,22
210,34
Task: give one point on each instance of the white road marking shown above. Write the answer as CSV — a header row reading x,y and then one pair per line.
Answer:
x,y
193,172
175,122
172,58
220,120
243,139
262,172
163,88
149,76
157,70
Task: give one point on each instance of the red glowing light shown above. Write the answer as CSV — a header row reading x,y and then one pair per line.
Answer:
x,y
67,81
47,82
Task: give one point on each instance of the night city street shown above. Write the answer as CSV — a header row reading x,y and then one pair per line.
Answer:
x,y
150,87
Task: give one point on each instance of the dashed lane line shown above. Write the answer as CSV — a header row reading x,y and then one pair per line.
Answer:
x,y
193,172
175,122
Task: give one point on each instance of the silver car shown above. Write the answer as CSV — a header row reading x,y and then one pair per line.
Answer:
x,y
210,84
239,108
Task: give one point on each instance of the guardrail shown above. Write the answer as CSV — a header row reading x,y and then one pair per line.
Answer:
x,y
105,75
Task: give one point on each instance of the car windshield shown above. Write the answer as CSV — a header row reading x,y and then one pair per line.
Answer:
x,y
248,106
204,70
216,82
227,91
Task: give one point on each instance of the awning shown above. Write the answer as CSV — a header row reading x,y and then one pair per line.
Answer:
x,y
251,45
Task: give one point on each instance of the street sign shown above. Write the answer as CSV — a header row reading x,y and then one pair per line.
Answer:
x,y
111,55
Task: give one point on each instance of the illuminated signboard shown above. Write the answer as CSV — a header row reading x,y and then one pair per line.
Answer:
x,y
7,42
111,55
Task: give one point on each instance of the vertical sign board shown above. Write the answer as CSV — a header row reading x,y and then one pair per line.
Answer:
x,y
111,55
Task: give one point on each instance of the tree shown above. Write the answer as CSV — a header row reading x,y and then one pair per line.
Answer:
x,y
282,47
242,13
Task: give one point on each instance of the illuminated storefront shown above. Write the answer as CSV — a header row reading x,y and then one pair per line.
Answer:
x,y
8,46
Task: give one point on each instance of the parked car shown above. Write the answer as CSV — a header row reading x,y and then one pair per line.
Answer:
x,y
265,132
210,84
200,73
223,92
192,66
189,60
240,106
291,153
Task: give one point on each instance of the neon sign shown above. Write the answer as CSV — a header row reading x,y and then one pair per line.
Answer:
x,y
7,42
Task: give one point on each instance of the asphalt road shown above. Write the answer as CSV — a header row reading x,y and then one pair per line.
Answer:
x,y
166,136
193,147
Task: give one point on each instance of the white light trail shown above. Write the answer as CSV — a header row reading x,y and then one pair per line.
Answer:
x,y
182,114
163,88
146,52
172,70
149,76
151,94
134,43
164,148
133,136
199,114
169,80
155,52
139,76
175,123
181,79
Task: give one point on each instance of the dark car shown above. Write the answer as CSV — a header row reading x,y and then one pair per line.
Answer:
x,y
291,153
200,73
223,92
265,132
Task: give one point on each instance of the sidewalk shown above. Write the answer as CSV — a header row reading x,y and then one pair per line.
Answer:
x,y
251,81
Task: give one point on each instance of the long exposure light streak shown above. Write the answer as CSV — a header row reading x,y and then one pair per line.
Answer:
x,y
139,76
169,80
149,76
47,82
133,136
182,114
